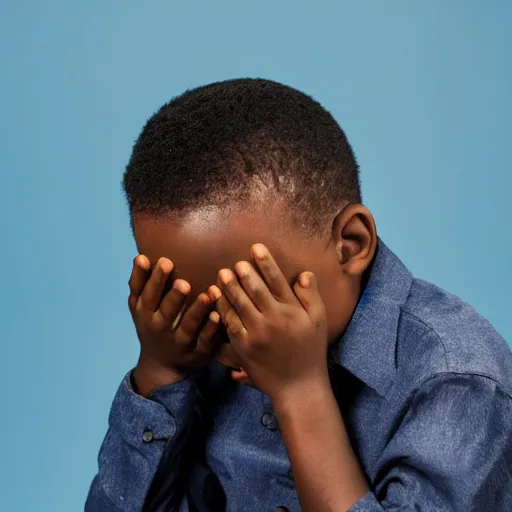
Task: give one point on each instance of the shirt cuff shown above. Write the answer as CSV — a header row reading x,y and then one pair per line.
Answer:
x,y
368,503
162,413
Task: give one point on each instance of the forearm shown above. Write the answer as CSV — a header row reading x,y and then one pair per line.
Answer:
x,y
325,468
144,437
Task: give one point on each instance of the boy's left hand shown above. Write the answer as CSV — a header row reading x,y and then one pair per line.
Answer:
x,y
278,334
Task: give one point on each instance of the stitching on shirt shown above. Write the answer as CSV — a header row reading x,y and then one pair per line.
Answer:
x,y
430,330
465,374
412,395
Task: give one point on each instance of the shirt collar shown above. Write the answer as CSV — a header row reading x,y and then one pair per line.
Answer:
x,y
367,347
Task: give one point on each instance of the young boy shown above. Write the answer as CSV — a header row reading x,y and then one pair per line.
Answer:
x,y
289,360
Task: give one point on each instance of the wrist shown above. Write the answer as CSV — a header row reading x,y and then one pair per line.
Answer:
x,y
147,377
302,396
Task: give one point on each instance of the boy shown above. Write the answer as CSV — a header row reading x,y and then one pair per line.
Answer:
x,y
288,359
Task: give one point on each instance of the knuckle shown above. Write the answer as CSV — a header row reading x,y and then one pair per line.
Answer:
x,y
131,286
236,329
143,302
233,329
184,332
238,307
132,301
202,341
157,324
273,274
166,311
180,337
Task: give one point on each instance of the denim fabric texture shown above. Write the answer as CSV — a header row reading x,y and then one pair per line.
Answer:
x,y
424,385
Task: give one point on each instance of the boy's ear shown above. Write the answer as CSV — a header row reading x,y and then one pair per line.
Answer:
x,y
355,236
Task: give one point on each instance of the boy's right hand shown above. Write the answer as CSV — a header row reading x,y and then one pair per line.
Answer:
x,y
171,347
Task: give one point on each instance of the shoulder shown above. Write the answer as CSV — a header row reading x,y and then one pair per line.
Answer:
x,y
439,333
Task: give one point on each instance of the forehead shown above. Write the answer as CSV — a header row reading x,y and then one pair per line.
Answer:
x,y
202,242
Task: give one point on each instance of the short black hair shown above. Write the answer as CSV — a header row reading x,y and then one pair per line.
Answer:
x,y
205,146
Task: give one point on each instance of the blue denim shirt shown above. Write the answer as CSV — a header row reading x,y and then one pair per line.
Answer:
x,y
424,385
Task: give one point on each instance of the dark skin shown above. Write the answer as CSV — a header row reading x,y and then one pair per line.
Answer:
x,y
281,298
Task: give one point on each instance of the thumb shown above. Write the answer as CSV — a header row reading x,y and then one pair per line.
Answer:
x,y
306,289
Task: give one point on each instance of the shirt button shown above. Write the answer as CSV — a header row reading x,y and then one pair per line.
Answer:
x,y
281,508
148,436
269,421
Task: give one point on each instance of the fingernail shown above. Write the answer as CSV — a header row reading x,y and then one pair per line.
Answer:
x,y
214,317
165,266
141,262
258,251
214,293
225,276
181,286
205,299
305,280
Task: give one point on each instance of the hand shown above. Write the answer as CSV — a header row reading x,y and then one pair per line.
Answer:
x,y
173,345
279,334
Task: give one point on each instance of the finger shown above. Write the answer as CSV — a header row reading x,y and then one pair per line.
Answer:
x,y
152,292
168,315
241,303
138,278
223,306
235,328
214,293
205,339
254,286
306,289
274,278
193,318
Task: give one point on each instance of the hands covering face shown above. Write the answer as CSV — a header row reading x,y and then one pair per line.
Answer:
x,y
278,332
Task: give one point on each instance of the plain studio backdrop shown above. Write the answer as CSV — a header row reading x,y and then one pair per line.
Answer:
x,y
422,89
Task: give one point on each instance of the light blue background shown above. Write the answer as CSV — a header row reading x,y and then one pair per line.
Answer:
x,y
423,90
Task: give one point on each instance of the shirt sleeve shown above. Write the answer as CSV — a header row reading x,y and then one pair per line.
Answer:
x,y
142,432
451,452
